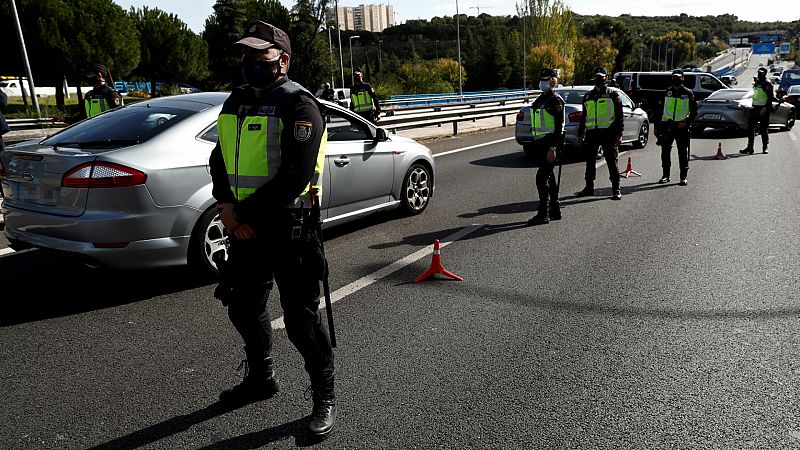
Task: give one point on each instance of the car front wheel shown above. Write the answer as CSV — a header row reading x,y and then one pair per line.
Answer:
x,y
208,237
790,121
417,186
644,135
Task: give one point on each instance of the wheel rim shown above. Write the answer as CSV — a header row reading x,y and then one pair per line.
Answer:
x,y
600,152
790,122
214,240
643,135
417,189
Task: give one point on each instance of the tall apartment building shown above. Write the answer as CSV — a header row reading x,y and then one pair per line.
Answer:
x,y
374,18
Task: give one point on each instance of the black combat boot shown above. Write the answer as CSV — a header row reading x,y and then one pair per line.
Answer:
x,y
540,218
258,384
555,211
587,191
323,415
617,193
664,179
746,151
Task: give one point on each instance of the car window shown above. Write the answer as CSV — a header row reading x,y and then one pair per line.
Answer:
x,y
133,123
710,83
794,90
572,96
793,75
342,127
731,94
210,135
626,101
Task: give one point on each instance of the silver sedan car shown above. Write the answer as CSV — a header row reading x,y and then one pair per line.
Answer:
x,y
130,188
730,108
636,126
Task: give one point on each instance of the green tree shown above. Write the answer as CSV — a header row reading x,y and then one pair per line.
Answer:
x,y
311,62
551,32
170,52
548,56
593,52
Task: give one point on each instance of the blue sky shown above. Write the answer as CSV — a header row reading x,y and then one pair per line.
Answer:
x,y
195,12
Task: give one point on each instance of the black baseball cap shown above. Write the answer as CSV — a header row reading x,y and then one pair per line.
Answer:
x,y
261,35
548,73
762,70
96,68
601,71
677,72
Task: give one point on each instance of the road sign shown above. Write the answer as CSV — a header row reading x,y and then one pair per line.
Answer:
x,y
785,47
763,49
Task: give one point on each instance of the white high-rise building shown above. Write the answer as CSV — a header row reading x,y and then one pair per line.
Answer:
x,y
374,18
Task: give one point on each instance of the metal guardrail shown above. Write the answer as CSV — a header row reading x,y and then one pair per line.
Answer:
x,y
441,99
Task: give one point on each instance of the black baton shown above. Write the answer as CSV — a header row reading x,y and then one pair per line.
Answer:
x,y
329,308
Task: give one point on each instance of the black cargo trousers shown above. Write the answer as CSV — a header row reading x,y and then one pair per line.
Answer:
x,y
670,133
546,184
292,254
758,124
608,140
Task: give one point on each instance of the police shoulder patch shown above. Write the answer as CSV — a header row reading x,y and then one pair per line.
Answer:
x,y
302,130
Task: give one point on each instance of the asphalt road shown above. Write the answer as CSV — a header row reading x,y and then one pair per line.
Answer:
x,y
669,319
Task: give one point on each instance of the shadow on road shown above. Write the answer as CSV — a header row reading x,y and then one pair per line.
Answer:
x,y
296,428
43,284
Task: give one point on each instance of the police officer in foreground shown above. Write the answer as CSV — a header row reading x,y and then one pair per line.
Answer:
x,y
763,101
363,100
266,171
101,97
547,128
679,109
601,126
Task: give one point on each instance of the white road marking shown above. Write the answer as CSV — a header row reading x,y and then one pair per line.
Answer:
x,y
458,150
603,161
6,251
792,136
379,274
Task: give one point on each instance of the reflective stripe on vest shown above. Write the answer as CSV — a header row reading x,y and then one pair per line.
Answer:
x,y
599,113
314,187
362,101
542,123
760,96
95,106
676,109
251,149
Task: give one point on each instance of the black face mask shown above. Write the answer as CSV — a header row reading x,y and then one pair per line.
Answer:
x,y
762,76
260,74
599,82
676,82
90,79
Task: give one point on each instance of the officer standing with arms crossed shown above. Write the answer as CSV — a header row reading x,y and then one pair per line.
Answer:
x,y
763,98
601,126
679,110
363,100
547,128
266,170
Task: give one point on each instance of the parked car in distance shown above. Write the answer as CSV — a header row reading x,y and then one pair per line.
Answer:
x,y
729,80
130,188
789,78
636,125
647,88
341,96
730,108
188,89
792,96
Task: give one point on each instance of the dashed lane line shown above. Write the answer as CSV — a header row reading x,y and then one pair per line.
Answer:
x,y
379,274
6,251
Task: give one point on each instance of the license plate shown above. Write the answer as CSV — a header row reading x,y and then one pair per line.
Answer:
x,y
712,116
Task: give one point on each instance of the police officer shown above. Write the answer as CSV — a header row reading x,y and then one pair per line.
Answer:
x,y
679,110
601,126
547,128
327,93
363,100
763,101
100,98
266,168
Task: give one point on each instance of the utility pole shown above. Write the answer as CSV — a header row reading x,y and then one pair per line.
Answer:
x,y
27,64
651,54
339,32
479,8
458,40
641,54
524,49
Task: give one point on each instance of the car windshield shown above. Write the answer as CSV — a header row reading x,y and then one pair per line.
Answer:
x,y
731,94
794,90
792,75
123,127
572,96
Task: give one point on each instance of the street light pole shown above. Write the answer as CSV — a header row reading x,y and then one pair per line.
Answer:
x,y
339,32
658,61
330,48
641,54
437,49
352,76
651,54
458,39
27,64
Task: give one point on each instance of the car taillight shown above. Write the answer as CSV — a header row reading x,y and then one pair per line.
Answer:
x,y
520,116
575,116
102,175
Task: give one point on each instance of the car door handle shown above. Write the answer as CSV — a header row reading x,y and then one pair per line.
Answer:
x,y
342,161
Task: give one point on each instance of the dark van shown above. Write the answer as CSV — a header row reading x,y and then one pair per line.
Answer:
x,y
647,88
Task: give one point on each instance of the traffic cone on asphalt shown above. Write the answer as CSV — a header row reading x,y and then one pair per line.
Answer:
x,y
436,266
629,170
719,154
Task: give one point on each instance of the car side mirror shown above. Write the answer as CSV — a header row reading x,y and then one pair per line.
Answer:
x,y
380,136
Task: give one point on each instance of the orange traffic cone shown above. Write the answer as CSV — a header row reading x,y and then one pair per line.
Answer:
x,y
436,266
629,170
719,154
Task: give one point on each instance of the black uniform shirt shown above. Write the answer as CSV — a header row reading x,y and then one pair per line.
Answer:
x,y
679,92
298,156
617,126
554,105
